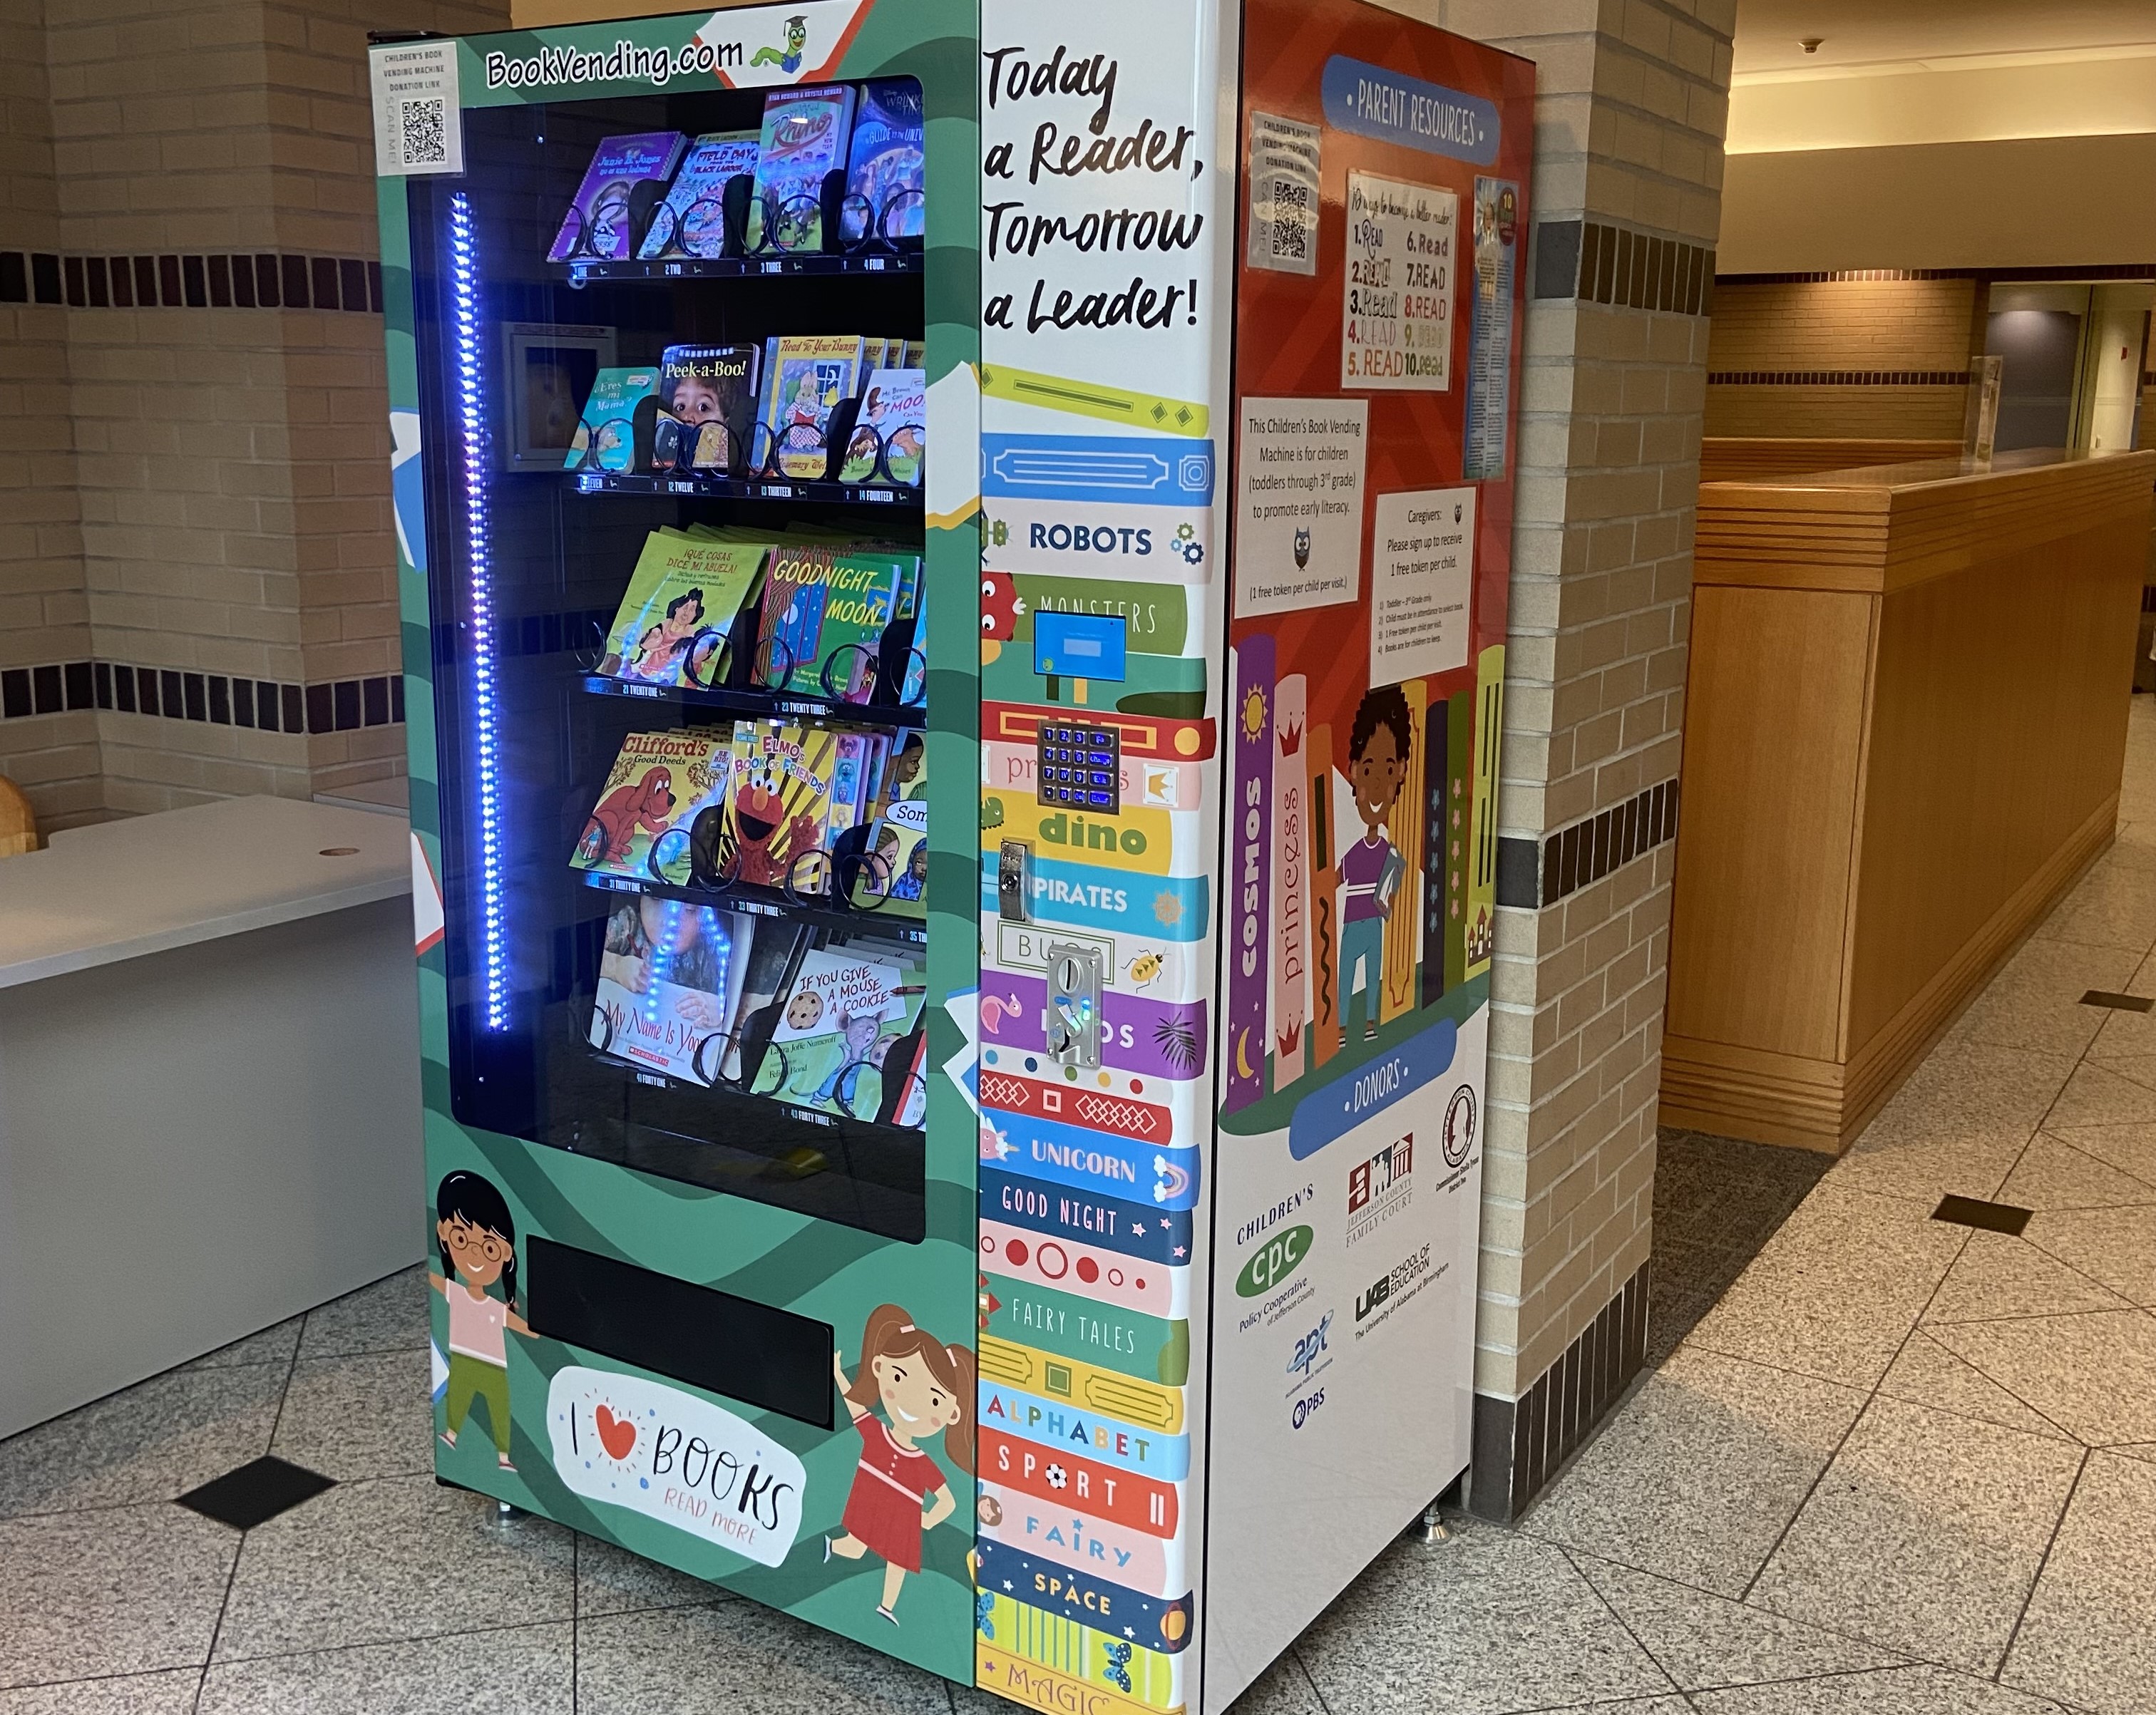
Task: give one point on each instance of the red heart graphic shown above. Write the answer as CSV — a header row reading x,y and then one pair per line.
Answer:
x,y
617,1435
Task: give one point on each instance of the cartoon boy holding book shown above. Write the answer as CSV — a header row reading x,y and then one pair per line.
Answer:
x,y
1371,869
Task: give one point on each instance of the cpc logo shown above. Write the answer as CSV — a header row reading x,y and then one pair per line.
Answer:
x,y
1275,1263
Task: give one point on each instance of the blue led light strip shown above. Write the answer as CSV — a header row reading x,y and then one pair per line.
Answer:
x,y
471,411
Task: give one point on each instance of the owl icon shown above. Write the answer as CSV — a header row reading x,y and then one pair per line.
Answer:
x,y
1302,548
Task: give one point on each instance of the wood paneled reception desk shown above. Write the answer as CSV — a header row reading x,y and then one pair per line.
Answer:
x,y
1905,723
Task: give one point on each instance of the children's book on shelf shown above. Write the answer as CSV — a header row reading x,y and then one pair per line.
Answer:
x,y
598,222
848,779
804,136
895,405
606,437
708,394
844,1012
690,221
886,166
772,944
825,615
895,876
640,825
665,977
811,374
677,614
779,809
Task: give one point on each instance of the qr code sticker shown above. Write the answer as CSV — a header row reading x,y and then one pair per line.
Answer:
x,y
1290,240
424,129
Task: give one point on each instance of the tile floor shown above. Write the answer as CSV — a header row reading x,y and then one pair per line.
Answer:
x,y
1897,1467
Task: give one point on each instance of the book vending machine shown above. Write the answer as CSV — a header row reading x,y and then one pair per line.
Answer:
x,y
953,561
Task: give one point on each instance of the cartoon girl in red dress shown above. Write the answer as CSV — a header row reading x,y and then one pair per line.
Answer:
x,y
926,1388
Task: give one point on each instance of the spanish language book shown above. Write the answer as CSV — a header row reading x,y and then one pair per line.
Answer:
x,y
640,828
606,437
677,616
666,975
690,221
803,137
885,166
597,224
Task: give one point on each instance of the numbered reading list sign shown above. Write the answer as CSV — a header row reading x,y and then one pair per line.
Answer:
x,y
1397,331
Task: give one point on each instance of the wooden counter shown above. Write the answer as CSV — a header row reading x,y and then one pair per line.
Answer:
x,y
1905,723
1736,458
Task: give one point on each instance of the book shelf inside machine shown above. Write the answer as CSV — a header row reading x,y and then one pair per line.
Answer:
x,y
679,625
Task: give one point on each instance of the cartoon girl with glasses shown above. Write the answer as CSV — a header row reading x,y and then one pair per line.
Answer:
x,y
478,1240
926,1389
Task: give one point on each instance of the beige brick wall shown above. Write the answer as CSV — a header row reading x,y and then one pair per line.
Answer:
x,y
1632,102
1878,325
235,517
44,616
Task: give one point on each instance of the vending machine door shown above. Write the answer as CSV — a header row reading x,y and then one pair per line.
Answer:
x,y
676,307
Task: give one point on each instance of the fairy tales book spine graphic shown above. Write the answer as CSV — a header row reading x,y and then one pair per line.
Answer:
x,y
1100,771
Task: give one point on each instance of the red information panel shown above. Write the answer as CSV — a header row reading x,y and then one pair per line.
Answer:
x,y
1381,251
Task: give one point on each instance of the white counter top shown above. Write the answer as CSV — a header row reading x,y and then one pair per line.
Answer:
x,y
120,889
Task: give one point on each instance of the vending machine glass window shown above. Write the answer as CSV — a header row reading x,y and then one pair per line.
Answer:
x,y
681,836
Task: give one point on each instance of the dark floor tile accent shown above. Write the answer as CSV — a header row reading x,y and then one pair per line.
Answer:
x,y
1518,1445
1986,1217
2122,1003
256,1492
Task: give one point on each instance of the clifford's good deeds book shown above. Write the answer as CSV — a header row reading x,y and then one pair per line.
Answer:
x,y
640,828
596,223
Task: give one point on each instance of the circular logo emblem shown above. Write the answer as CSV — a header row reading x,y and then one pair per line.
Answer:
x,y
1458,1140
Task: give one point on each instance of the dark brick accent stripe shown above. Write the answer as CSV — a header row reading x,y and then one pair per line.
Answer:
x,y
1521,1444
2093,271
1600,264
258,280
1837,378
177,693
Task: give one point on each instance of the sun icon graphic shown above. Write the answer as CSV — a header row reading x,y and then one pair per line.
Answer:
x,y
1254,713
1167,909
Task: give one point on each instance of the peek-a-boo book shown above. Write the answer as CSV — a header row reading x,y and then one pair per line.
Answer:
x,y
1080,1329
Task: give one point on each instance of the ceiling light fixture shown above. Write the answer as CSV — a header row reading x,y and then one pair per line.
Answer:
x,y
1811,45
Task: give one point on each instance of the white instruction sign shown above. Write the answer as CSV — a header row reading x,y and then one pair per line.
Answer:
x,y
418,122
1397,327
1422,575
1299,503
